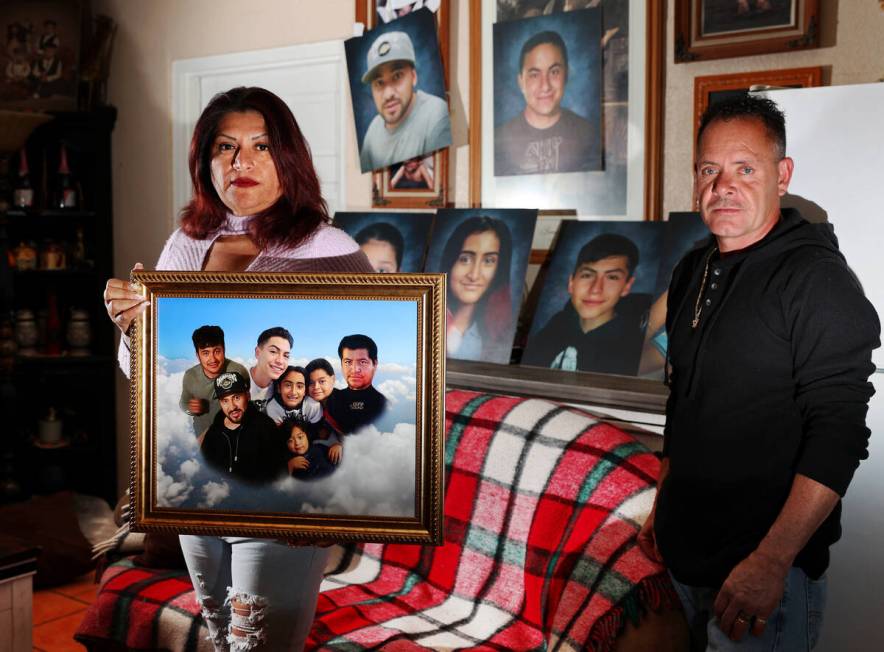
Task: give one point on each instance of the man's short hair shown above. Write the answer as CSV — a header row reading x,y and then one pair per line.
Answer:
x,y
749,107
206,336
384,232
605,246
318,363
276,331
359,341
549,36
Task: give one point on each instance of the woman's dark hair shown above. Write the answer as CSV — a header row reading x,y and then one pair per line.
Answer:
x,y
300,209
285,373
384,232
493,312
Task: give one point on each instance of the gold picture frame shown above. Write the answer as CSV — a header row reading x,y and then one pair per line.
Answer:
x,y
383,193
392,489
707,29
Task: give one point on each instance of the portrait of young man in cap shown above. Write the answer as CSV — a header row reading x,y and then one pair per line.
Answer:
x,y
406,121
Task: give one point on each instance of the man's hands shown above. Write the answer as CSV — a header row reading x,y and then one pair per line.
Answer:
x,y
754,588
335,452
647,540
299,463
197,406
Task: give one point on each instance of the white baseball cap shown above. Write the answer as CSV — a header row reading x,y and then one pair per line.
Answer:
x,y
390,46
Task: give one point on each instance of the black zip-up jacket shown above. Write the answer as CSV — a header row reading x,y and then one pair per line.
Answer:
x,y
255,452
772,383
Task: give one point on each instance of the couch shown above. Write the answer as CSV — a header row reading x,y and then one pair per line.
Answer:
x,y
542,506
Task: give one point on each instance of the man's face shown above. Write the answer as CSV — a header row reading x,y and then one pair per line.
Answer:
x,y
272,357
234,406
320,385
298,441
393,91
542,81
596,287
739,181
358,368
211,359
292,388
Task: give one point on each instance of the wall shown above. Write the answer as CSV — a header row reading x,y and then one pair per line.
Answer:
x,y
852,52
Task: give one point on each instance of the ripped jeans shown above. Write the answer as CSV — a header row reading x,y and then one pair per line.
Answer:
x,y
255,594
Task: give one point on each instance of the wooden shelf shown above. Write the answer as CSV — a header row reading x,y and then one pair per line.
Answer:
x,y
608,390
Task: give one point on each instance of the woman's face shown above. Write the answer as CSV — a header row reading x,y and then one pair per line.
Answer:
x,y
243,172
381,255
475,266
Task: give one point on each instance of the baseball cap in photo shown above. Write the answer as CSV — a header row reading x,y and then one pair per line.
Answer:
x,y
230,382
390,46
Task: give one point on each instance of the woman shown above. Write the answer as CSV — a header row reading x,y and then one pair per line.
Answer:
x,y
477,259
383,244
256,207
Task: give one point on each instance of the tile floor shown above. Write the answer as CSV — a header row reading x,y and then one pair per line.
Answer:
x,y
57,613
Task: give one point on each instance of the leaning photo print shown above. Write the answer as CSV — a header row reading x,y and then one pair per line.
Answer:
x,y
298,406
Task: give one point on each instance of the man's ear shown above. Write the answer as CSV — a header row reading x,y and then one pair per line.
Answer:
x,y
571,284
414,76
784,174
628,286
257,353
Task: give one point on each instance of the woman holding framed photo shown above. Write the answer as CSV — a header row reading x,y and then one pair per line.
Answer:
x,y
256,206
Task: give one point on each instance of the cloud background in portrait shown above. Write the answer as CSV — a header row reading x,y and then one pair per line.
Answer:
x,y
581,32
376,476
414,227
648,237
521,224
421,28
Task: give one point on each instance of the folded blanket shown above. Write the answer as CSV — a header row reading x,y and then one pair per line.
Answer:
x,y
542,508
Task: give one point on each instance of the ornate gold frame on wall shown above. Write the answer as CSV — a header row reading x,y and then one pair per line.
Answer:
x,y
382,195
692,45
426,291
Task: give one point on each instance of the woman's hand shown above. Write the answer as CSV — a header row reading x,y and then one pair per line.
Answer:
x,y
122,302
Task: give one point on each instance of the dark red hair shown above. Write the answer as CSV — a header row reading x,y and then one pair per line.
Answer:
x,y
300,209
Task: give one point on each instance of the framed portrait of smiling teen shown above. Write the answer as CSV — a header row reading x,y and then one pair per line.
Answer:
x,y
596,296
298,406
485,253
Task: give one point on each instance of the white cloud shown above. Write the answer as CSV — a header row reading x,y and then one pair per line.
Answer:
x,y
188,469
398,389
214,493
395,368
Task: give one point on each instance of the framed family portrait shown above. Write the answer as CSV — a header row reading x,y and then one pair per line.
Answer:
x,y
296,406
422,180
717,29
709,89
39,62
565,114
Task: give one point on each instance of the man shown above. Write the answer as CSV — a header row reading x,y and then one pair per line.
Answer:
x,y
242,442
409,122
360,403
198,387
591,333
271,360
545,138
770,342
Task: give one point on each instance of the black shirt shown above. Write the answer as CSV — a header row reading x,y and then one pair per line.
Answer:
x,y
350,409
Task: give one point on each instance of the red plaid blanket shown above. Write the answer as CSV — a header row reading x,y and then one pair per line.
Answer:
x,y
542,507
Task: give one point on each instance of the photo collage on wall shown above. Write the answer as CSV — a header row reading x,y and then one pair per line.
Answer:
x,y
602,295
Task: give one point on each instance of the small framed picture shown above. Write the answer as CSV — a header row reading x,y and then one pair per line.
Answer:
x,y
717,29
39,62
393,241
298,406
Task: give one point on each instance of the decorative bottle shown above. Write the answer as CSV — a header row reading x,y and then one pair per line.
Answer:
x,y
23,195
66,187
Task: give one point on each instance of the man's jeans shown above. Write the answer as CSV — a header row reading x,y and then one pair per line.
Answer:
x,y
794,625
